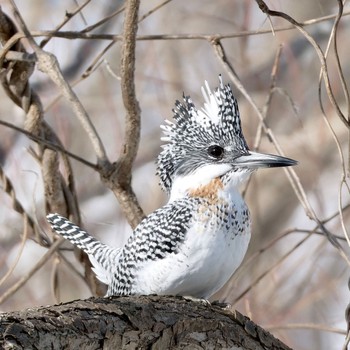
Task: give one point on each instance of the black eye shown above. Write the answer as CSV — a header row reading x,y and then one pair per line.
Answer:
x,y
216,151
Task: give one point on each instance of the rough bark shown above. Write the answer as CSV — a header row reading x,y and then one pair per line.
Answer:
x,y
147,322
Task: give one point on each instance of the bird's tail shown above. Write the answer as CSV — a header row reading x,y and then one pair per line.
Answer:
x,y
103,258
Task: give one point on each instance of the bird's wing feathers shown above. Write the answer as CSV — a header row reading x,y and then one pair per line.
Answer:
x,y
160,233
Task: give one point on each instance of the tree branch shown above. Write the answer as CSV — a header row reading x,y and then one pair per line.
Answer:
x,y
146,322
118,178
133,120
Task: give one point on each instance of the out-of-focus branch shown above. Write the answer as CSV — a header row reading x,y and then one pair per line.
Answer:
x,y
49,65
8,188
343,118
264,8
343,180
103,21
117,176
59,190
68,16
53,146
265,110
25,278
15,80
19,254
346,172
117,37
266,272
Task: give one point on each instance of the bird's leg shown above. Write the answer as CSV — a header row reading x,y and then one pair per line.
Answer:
x,y
196,300
221,304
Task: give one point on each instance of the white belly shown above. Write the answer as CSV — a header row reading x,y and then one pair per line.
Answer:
x,y
213,249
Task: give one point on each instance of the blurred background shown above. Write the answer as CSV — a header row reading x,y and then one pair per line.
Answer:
x,y
293,282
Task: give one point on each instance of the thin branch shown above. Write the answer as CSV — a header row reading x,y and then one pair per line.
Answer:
x,y
207,36
20,251
119,176
102,21
264,8
48,144
274,241
68,16
48,64
266,107
133,120
278,262
340,208
324,67
17,206
333,36
24,279
156,8
340,71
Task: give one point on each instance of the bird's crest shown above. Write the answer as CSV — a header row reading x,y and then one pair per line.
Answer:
x,y
217,122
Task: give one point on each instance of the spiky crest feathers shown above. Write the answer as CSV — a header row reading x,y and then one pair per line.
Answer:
x,y
217,121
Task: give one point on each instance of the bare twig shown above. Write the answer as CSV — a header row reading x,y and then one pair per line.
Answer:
x,y
133,120
17,206
48,64
118,178
274,241
48,144
68,16
207,37
266,107
23,241
102,21
333,37
24,279
156,8
264,8
324,69
265,273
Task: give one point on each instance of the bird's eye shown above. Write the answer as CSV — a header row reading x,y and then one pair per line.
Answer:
x,y
216,151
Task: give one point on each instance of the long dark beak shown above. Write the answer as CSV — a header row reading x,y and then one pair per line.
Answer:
x,y
254,160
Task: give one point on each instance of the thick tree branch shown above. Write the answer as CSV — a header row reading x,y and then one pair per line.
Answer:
x,y
146,322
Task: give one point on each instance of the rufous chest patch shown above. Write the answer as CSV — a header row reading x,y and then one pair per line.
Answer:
x,y
208,191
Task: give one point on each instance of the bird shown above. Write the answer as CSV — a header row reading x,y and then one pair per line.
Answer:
x,y
193,244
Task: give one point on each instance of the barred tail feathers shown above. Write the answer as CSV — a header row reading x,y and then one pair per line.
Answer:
x,y
103,258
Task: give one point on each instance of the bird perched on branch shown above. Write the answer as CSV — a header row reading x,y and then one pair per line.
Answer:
x,y
193,244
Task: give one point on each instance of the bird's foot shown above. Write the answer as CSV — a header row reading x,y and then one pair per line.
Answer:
x,y
221,304
197,300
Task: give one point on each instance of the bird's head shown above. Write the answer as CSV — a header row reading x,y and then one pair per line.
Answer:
x,y
202,145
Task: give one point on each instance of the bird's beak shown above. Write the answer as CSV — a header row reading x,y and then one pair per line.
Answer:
x,y
254,160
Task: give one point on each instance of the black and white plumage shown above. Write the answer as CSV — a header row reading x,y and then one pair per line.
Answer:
x,y
192,245
217,123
